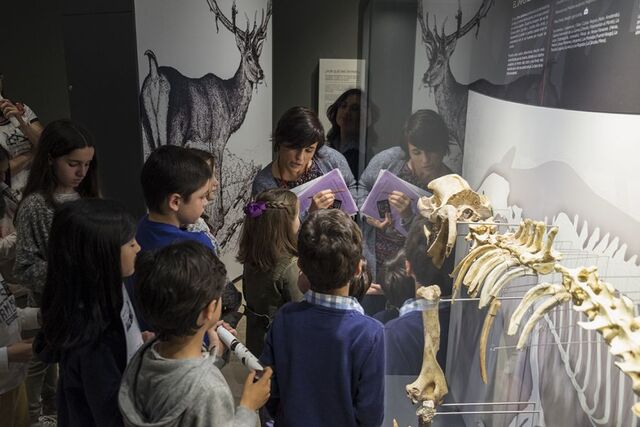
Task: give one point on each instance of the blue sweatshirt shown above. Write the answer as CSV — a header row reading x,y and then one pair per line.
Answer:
x,y
328,367
151,236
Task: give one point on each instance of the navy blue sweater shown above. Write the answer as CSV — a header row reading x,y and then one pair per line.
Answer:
x,y
404,340
328,367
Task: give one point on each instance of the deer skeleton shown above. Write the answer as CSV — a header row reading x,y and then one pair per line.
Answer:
x,y
452,200
430,387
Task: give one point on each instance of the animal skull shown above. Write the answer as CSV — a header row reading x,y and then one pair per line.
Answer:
x,y
452,200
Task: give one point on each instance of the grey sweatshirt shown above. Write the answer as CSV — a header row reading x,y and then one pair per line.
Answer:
x,y
159,392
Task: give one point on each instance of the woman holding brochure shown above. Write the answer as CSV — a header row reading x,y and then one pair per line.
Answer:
x,y
302,156
425,143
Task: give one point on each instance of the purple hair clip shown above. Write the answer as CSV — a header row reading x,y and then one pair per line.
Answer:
x,y
255,209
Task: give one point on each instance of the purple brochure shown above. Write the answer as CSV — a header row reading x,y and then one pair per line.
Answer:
x,y
377,203
332,180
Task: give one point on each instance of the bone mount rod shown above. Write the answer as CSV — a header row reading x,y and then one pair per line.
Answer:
x,y
507,224
486,327
544,344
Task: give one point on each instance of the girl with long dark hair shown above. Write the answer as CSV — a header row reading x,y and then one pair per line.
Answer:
x,y
64,169
88,323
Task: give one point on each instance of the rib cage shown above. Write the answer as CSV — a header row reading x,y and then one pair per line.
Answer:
x,y
590,386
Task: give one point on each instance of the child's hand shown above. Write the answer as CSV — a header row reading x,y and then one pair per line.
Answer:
x,y
9,109
20,352
381,225
375,289
255,395
148,336
214,339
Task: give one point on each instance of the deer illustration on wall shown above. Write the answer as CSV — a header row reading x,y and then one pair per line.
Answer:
x,y
450,95
204,112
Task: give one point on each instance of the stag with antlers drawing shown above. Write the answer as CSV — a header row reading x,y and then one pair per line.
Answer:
x,y
204,112
450,95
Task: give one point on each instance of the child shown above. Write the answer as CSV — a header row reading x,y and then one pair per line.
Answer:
x,y
15,353
64,169
175,183
20,141
360,285
9,199
397,287
327,355
88,324
404,335
171,381
202,223
231,297
268,251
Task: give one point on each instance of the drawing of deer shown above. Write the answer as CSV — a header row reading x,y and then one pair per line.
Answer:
x,y
450,95
204,112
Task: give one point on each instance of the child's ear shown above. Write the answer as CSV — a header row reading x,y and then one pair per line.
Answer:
x,y
209,312
174,201
359,268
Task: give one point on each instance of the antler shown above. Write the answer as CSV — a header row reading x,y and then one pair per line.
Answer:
x,y
261,32
431,38
427,35
229,25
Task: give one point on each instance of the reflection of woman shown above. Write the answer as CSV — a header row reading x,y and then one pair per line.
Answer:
x,y
425,143
344,135
19,141
301,156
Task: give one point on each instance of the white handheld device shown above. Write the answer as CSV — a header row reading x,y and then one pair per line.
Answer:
x,y
246,357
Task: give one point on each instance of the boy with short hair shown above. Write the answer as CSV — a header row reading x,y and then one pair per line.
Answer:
x,y
171,381
175,183
404,336
328,356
